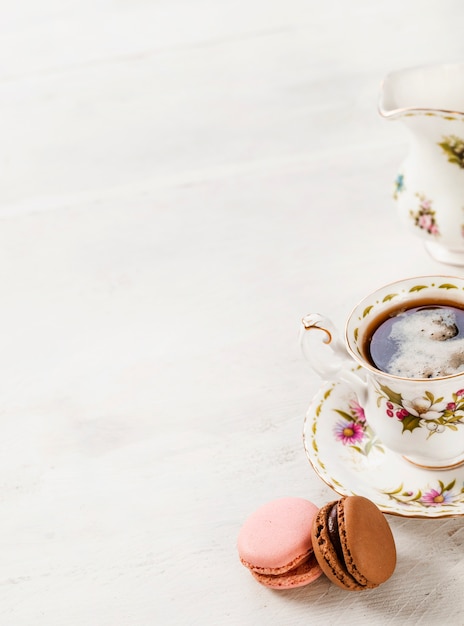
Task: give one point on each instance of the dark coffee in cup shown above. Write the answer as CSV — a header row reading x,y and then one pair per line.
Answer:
x,y
424,341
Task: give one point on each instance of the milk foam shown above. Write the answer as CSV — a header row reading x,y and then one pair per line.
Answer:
x,y
425,347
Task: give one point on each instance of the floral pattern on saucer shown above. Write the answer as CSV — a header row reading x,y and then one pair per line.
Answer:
x,y
347,456
353,430
435,495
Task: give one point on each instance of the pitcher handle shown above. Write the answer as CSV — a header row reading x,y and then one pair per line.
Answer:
x,y
336,364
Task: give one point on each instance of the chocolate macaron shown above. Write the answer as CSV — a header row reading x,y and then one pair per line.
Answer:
x,y
353,543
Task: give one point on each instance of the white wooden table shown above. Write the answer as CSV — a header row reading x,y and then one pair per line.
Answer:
x,y
181,181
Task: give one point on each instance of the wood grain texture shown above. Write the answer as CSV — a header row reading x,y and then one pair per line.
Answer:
x,y
181,181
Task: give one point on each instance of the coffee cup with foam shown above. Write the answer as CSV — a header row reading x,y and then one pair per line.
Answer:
x,y
403,355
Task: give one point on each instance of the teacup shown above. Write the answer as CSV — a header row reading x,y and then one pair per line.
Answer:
x,y
419,417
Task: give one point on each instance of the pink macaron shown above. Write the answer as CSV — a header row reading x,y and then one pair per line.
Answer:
x,y
275,543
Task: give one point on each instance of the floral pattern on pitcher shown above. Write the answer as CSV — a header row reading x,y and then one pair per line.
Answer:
x,y
434,414
453,147
432,495
399,186
424,217
353,430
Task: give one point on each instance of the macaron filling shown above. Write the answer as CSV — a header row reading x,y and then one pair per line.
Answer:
x,y
339,565
298,575
332,527
277,571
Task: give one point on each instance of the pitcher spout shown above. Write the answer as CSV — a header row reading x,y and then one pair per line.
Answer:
x,y
428,90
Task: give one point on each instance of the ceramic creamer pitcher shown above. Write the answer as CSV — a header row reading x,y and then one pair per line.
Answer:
x,y
429,188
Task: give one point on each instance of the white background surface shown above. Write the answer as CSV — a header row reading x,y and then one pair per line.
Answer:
x,y
181,181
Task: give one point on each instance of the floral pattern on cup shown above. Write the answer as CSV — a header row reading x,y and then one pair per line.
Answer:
x,y
434,414
437,494
424,217
453,147
353,430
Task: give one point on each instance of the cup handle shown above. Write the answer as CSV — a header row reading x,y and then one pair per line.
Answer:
x,y
335,364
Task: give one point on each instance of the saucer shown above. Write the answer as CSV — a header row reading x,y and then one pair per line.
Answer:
x,y
349,457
